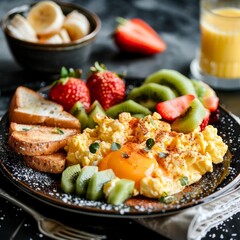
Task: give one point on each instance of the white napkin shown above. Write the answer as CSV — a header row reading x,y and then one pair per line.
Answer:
x,y
195,222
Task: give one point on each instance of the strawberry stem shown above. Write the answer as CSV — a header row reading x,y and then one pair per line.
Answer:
x,y
98,67
76,73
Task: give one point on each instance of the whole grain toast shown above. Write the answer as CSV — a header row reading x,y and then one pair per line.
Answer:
x,y
35,140
30,107
53,163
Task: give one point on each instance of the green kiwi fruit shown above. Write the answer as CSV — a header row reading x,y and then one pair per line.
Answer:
x,y
95,108
200,88
173,79
127,106
192,118
122,190
83,179
80,113
148,95
68,178
96,182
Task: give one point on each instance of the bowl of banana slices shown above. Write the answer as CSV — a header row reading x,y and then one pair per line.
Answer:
x,y
47,35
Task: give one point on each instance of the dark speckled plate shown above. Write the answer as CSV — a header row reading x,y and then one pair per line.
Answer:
x,y
45,187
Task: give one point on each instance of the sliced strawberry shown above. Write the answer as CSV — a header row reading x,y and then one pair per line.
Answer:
x,y
105,86
211,103
67,91
205,121
174,108
137,36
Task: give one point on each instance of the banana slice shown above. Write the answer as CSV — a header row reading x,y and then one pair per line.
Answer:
x,y
46,18
20,28
64,36
54,39
77,25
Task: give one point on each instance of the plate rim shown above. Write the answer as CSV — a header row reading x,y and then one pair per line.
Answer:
x,y
91,212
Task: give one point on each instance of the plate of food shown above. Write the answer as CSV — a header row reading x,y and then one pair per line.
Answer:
x,y
118,147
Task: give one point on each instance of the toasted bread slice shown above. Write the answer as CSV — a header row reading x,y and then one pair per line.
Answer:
x,y
29,107
22,127
53,163
38,140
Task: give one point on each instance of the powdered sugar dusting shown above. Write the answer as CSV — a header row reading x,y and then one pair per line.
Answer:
x,y
46,186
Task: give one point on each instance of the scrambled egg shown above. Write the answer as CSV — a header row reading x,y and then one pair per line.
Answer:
x,y
181,159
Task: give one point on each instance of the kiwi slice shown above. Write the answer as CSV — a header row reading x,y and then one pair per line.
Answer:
x,y
83,179
148,95
68,178
192,118
127,106
96,182
173,79
200,88
122,190
80,113
95,108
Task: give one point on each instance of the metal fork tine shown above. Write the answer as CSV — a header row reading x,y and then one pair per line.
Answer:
x,y
73,231
65,236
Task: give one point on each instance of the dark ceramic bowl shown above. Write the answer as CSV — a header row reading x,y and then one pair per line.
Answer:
x,y
49,58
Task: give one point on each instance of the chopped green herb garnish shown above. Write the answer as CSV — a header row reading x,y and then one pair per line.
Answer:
x,y
115,146
184,181
26,129
167,199
58,131
150,143
94,147
125,155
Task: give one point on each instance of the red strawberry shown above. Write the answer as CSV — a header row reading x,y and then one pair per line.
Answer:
x,y
105,86
136,36
67,91
205,121
211,103
174,108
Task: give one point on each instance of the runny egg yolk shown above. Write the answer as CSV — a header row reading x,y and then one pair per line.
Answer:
x,y
129,162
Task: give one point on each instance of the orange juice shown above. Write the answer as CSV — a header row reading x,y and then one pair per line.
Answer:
x,y
220,42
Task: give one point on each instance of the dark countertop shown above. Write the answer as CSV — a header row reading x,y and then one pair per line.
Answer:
x,y
177,23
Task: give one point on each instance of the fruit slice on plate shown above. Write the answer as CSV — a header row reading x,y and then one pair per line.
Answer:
x,y
174,108
68,179
95,108
46,17
83,179
121,191
127,106
174,79
80,113
148,95
191,119
95,185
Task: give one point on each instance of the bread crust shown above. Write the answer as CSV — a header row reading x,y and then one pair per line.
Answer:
x,y
39,130
53,163
39,140
17,111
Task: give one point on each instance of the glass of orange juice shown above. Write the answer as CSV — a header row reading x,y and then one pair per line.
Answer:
x,y
218,59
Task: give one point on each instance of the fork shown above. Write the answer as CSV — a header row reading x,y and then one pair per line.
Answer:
x,y
50,227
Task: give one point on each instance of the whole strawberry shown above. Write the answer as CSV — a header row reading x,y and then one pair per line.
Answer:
x,y
70,89
105,86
